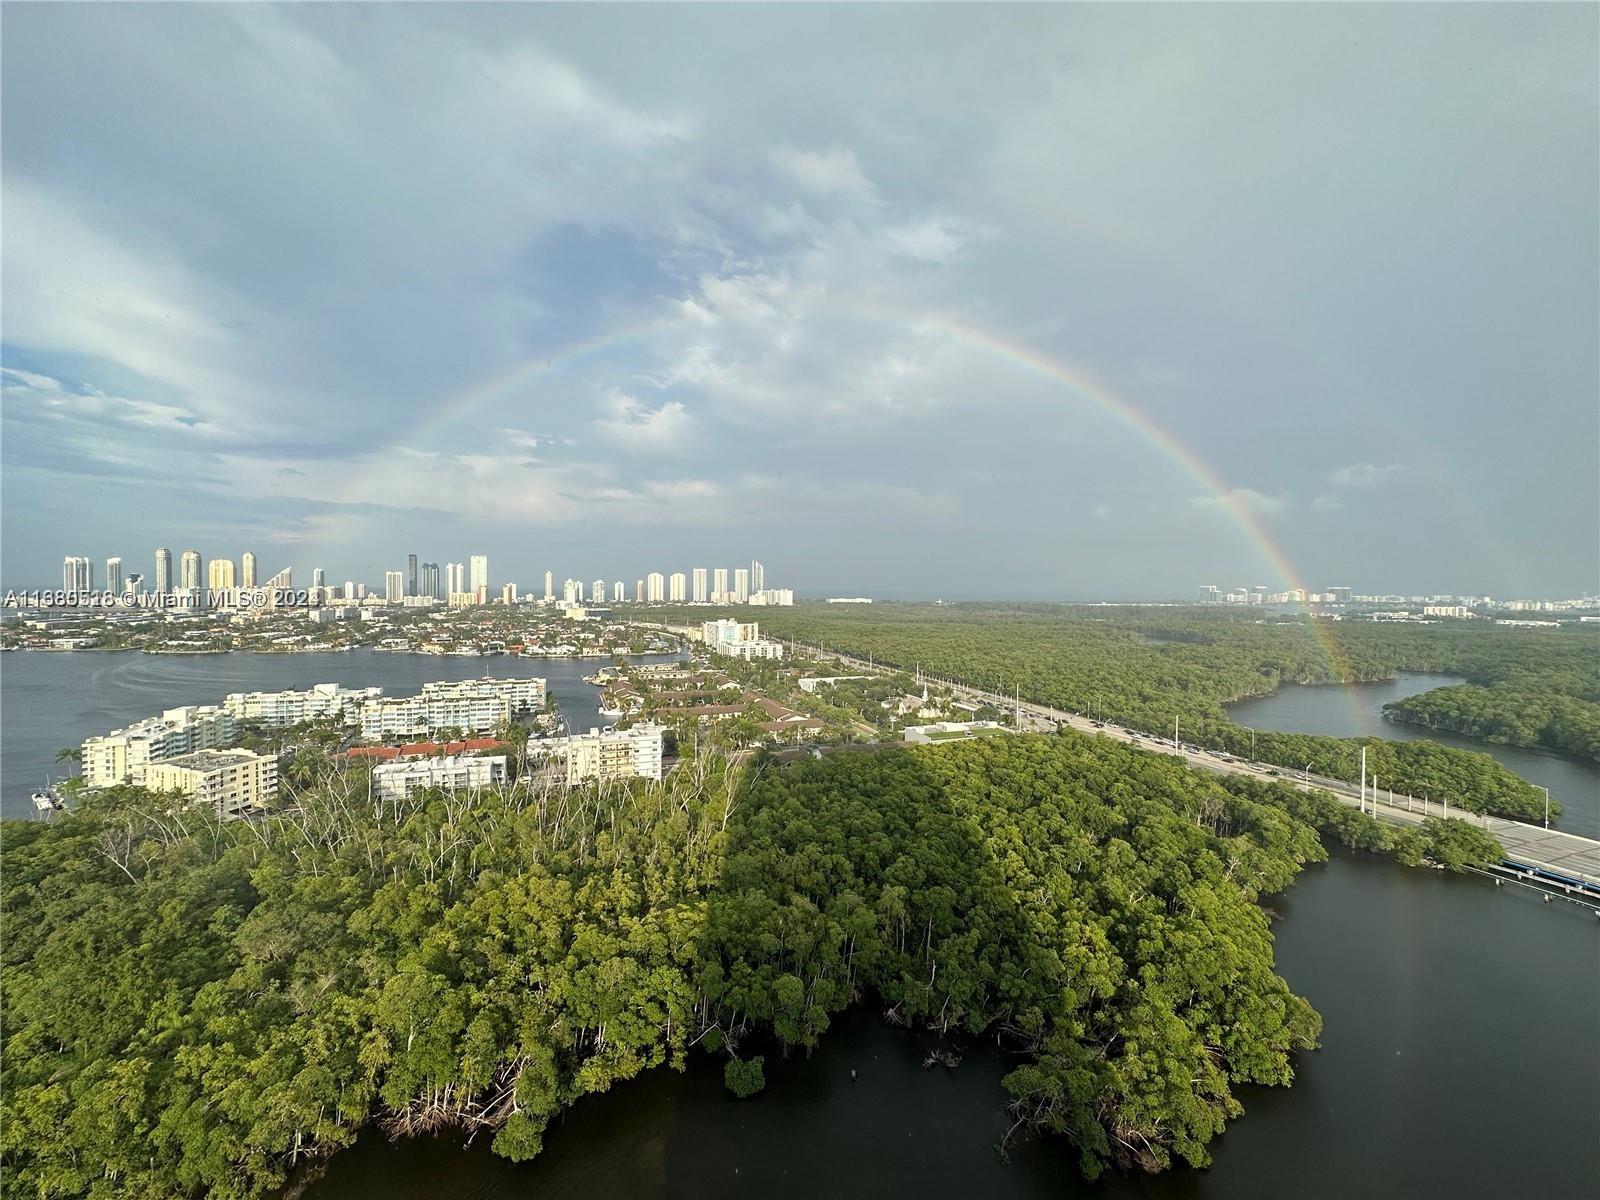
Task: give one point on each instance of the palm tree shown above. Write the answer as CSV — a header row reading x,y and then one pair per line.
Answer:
x,y
71,754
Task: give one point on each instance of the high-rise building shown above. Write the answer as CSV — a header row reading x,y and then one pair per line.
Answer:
x,y
430,583
349,591
480,572
220,574
247,570
411,575
758,576
163,570
700,595
655,587
508,594
677,587
597,592
190,568
741,586
619,592
77,574
394,586
114,576
638,591
319,578
549,585
719,586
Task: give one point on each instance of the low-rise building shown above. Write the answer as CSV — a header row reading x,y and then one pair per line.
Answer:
x,y
450,773
952,731
234,783
608,754
122,755
472,706
292,707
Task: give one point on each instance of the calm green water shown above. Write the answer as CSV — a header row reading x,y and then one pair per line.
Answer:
x,y
1461,1058
1356,710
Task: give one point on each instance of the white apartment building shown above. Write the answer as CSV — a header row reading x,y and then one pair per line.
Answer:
x,y
451,773
740,639
471,705
123,755
701,592
232,782
655,587
480,572
741,585
292,707
719,585
677,587
618,754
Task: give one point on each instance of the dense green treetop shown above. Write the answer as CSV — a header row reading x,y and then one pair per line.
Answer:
x,y
197,1008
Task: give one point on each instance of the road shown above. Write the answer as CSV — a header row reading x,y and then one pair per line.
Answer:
x,y
1529,848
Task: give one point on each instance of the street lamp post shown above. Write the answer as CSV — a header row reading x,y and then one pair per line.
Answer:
x,y
1546,792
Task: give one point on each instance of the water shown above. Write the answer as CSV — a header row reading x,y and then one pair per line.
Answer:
x,y
1460,1058
1356,710
52,700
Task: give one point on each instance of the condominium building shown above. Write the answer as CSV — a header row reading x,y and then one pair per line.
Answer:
x,y
163,570
123,755
114,576
234,783
480,573
655,587
597,592
189,571
247,570
77,574
619,592
292,707
450,773
741,585
471,705
219,574
701,594
617,754
677,587
394,586
758,576
549,585
739,639
719,585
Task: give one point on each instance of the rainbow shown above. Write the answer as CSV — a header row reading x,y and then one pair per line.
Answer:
x,y
1073,379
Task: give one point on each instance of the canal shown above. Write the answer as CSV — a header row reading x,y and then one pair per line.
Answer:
x,y
1356,710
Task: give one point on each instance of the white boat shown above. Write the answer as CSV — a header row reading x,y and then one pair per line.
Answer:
x,y
47,800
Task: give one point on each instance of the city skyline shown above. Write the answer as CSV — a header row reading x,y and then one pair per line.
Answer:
x,y
929,342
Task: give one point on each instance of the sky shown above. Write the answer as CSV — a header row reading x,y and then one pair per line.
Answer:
x,y
1029,302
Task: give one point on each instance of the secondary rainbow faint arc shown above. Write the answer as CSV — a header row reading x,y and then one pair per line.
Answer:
x,y
1076,381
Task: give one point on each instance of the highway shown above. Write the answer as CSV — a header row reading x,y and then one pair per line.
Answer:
x,y
1532,852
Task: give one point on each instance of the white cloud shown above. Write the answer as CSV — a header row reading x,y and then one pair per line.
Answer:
x,y
831,172
1259,503
935,240
1363,475
636,426
1328,502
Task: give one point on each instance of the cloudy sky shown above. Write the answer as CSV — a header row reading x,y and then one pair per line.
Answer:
x,y
1033,302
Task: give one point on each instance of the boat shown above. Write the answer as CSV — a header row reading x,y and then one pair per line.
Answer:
x,y
47,800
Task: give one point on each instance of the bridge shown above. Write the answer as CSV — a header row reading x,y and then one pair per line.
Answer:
x,y
1549,858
